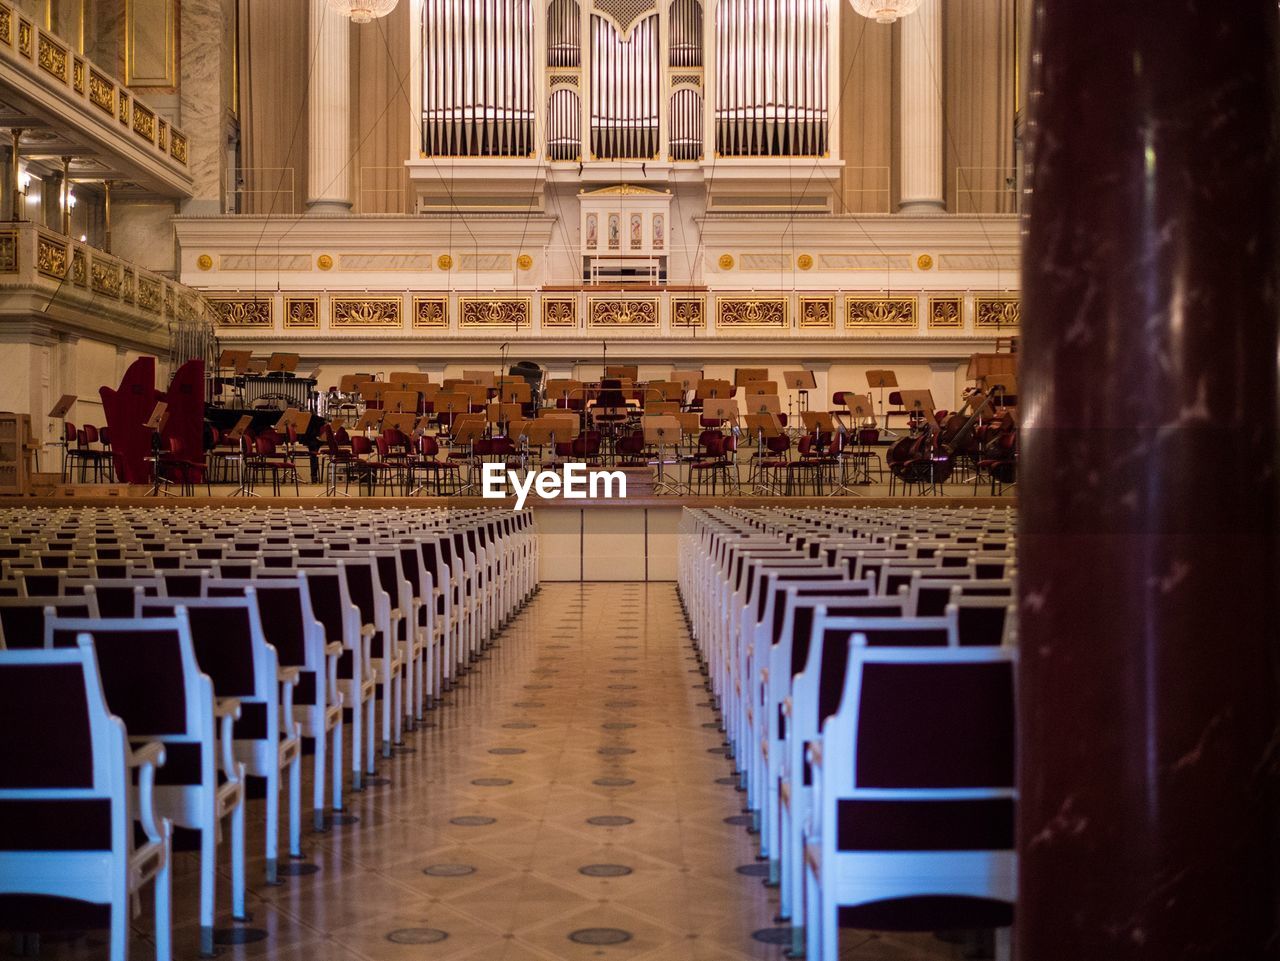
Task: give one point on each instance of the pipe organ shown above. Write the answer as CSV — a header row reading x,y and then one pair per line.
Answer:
x,y
626,79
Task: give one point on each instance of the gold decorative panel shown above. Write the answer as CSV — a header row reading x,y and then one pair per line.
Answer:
x,y
495,311
817,312
122,105
52,57
946,312
126,286
6,26
24,37
52,258
79,274
234,312
101,91
747,312
8,252
559,312
431,312
144,122
151,296
622,311
688,312
104,277
302,313
997,310
162,135
77,75
178,147
880,312
366,313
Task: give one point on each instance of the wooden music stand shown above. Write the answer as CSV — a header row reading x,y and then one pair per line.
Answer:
x,y
756,388
764,426
299,420
237,360
349,383
801,381
282,363
239,429
370,420
662,407
399,401
503,413
745,375
62,407
687,379
516,392
622,372
861,408
714,388
423,424
477,394
159,417
485,378
817,421
451,405
880,380
722,410
920,402
403,421
764,404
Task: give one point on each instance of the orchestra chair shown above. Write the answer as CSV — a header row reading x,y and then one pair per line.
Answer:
x,y
442,476
22,619
114,596
913,824
267,458
71,787
70,454
230,647
172,702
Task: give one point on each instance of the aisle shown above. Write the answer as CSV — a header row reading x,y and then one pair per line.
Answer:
x,y
571,800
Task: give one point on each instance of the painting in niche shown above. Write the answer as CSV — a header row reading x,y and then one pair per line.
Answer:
x,y
637,231
615,231
659,231
593,231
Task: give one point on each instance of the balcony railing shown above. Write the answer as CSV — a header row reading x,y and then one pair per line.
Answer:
x,y
49,61
36,258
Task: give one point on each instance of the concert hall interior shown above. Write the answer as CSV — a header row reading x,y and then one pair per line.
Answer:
x,y
671,480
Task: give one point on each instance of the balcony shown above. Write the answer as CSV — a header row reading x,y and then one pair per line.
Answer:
x,y
72,107
56,282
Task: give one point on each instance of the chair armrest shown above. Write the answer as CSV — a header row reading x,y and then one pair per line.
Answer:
x,y
148,757
227,712
332,651
288,678
814,752
396,613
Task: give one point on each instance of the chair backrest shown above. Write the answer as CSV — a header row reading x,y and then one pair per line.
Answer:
x,y
982,621
150,677
230,646
22,619
284,610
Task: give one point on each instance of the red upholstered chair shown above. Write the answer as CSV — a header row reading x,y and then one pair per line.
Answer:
x,y
439,476
183,467
266,459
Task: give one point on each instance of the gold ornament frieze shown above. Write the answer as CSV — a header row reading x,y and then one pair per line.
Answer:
x,y
77,75
688,312
817,312
52,58
495,311
150,294
52,258
946,312
101,92
997,310
168,301
748,312
366,313
178,147
126,286
899,312
24,37
144,122
559,312
162,135
8,252
302,313
622,312
431,312
236,312
122,108
6,26
105,277
79,269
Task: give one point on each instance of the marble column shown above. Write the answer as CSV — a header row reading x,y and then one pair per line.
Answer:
x,y
205,67
329,112
1148,705
920,107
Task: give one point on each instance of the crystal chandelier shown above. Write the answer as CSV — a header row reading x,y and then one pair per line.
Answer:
x,y
885,11
362,11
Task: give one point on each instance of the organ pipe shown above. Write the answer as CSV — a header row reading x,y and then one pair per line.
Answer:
x,y
686,125
624,90
685,30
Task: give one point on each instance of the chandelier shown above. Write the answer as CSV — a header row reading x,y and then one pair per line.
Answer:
x,y
362,11
885,11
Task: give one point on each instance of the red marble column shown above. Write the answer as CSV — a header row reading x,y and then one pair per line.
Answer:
x,y
1150,587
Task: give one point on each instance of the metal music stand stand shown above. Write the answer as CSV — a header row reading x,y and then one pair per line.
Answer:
x,y
59,413
155,423
236,436
467,429
765,426
882,379
659,429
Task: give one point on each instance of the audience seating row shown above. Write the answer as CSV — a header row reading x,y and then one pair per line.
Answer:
x,y
863,663
152,660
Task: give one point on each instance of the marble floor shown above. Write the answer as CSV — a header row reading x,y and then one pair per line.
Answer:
x,y
569,800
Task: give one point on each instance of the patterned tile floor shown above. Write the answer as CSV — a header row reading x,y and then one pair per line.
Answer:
x,y
566,802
